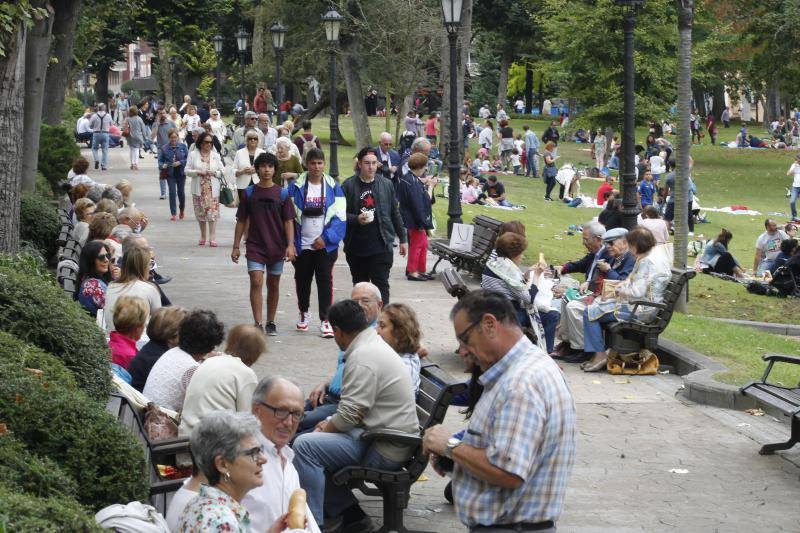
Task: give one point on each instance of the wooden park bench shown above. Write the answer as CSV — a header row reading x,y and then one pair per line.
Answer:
x,y
436,389
156,453
483,237
631,336
785,399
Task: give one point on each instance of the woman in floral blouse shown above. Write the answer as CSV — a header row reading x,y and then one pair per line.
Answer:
x,y
647,281
95,272
226,451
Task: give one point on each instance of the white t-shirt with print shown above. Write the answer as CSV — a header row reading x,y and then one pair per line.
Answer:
x,y
771,244
312,227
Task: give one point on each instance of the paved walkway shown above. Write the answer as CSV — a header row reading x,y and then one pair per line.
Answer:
x,y
632,432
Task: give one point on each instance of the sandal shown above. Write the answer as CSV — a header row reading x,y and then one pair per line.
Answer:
x,y
212,244
201,243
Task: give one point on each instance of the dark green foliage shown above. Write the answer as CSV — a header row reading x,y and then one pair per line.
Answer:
x,y
73,109
14,352
77,433
42,314
38,223
37,476
28,260
23,512
57,151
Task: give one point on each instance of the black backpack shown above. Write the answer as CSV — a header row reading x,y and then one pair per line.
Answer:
x,y
784,281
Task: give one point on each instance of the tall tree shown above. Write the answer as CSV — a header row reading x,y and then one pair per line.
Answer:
x,y
685,10
37,49
61,63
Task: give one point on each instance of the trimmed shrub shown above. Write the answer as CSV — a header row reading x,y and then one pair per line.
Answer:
x,y
37,476
23,512
57,151
73,108
22,355
77,433
28,260
41,313
38,223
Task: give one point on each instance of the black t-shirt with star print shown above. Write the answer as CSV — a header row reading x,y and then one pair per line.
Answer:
x,y
367,238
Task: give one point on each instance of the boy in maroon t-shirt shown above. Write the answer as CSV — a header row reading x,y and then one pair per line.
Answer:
x,y
266,216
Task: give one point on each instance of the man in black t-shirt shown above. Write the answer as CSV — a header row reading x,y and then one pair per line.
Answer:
x,y
496,192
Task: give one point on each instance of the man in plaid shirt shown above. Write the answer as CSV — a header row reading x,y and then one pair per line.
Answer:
x,y
516,456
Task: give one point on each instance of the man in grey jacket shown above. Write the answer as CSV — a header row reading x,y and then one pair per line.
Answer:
x,y
373,222
376,394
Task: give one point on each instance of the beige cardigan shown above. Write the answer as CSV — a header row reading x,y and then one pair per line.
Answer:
x,y
193,165
242,160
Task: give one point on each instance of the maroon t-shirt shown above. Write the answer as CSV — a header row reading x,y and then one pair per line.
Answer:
x,y
266,238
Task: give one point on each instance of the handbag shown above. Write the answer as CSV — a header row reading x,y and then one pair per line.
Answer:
x,y
163,173
158,425
226,196
641,363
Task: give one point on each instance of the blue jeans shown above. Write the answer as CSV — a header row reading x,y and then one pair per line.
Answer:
x,y
793,200
549,322
593,340
530,164
315,415
100,140
177,183
319,455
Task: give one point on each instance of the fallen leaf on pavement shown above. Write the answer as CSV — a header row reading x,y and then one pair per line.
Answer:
x,y
678,471
622,381
754,412
596,381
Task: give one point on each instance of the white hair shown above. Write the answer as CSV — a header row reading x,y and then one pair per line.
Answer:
x,y
596,229
420,144
369,287
386,135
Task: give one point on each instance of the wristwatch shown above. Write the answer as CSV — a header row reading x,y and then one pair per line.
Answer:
x,y
452,444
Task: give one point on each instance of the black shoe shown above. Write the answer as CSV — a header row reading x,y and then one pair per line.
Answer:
x,y
409,277
270,329
578,357
161,280
428,276
96,165
141,156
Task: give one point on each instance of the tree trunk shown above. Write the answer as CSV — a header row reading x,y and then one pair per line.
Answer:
x,y
773,103
37,53
355,94
58,72
261,37
502,83
719,101
316,109
164,71
528,89
12,88
685,9
541,93
101,84
406,104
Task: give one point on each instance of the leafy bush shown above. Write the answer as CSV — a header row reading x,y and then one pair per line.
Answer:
x,y
22,355
23,512
37,476
38,223
28,260
75,432
57,151
73,108
41,313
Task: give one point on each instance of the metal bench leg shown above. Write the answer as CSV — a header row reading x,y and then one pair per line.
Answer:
x,y
433,270
395,501
769,449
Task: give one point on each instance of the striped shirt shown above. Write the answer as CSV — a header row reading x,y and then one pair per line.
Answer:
x,y
525,421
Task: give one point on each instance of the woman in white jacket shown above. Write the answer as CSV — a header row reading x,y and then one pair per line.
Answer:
x,y
243,164
204,166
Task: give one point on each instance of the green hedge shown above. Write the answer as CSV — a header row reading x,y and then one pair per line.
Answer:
x,y
57,151
28,260
39,223
73,109
41,313
24,512
75,432
15,352
37,476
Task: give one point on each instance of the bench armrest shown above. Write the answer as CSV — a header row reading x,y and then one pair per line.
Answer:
x,y
781,358
648,303
169,446
393,435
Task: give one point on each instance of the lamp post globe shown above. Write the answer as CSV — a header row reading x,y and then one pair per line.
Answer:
x,y
332,21
278,32
451,13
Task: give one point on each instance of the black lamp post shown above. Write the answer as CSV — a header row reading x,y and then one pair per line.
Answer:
x,y
278,32
451,10
172,62
332,21
241,44
137,54
630,206
218,40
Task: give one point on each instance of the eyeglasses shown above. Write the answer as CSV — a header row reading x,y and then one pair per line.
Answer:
x,y
365,301
463,337
252,138
253,453
283,414
103,257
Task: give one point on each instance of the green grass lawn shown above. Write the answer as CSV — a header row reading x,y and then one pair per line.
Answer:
x,y
724,177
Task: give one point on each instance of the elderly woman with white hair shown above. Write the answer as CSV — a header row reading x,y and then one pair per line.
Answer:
x,y
218,128
244,169
289,166
227,453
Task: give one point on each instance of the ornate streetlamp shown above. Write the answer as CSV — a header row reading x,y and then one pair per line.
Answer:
x,y
241,43
451,9
173,61
332,21
278,32
218,40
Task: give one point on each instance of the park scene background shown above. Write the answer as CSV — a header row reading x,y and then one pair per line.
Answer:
x,y
58,56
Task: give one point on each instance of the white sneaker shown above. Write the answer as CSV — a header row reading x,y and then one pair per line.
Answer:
x,y
302,324
326,329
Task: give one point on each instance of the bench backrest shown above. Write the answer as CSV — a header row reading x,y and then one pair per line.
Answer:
x,y
71,250
436,391
673,291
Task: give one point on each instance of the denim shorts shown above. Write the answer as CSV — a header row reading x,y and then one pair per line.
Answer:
x,y
274,269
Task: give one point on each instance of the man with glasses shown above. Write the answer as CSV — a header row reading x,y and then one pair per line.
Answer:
x,y
278,405
515,458
376,394
388,158
249,124
373,222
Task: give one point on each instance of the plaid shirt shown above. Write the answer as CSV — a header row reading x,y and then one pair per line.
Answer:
x,y
525,420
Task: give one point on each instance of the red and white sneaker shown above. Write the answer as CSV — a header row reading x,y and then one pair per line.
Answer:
x,y
302,323
326,329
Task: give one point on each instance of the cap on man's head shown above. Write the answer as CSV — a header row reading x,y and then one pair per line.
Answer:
x,y
250,114
614,234
492,178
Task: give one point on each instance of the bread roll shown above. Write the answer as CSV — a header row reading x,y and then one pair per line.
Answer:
x,y
541,258
297,509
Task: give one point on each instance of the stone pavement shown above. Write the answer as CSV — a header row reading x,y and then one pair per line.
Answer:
x,y
632,433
